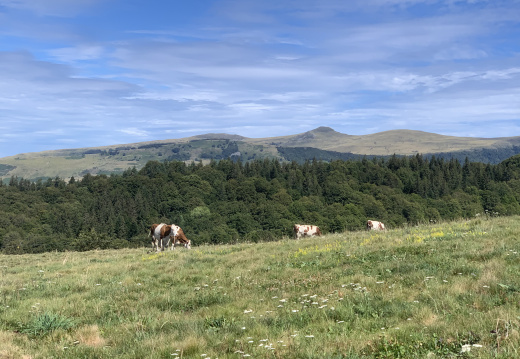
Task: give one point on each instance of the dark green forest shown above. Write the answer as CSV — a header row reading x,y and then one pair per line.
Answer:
x,y
230,201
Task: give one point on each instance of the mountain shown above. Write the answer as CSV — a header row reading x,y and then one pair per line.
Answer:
x,y
322,143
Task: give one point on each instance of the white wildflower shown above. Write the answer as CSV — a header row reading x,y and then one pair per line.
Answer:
x,y
465,348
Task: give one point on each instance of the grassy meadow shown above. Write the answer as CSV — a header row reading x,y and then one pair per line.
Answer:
x,y
449,290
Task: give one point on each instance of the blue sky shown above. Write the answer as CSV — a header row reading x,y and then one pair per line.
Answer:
x,y
87,73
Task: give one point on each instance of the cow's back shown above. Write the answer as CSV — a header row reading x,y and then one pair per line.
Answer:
x,y
375,226
159,230
302,230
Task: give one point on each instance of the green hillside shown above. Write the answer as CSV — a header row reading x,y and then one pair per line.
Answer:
x,y
449,290
321,143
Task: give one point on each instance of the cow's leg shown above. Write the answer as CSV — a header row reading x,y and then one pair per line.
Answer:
x,y
162,244
154,244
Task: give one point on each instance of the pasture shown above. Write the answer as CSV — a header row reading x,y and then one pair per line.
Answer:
x,y
449,290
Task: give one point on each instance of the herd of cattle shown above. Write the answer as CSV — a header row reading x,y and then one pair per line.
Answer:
x,y
166,233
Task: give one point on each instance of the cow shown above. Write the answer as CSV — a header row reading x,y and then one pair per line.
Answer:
x,y
302,230
164,234
178,237
375,226
155,233
161,234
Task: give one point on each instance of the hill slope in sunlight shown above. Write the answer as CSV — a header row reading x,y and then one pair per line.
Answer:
x,y
322,143
427,291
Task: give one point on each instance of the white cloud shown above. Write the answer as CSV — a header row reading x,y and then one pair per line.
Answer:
x,y
78,53
253,68
135,132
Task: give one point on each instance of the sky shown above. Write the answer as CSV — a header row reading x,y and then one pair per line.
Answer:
x,y
87,73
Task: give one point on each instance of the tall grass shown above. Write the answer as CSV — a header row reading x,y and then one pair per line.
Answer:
x,y
442,291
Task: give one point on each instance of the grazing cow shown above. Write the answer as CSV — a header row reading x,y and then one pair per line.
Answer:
x,y
164,234
177,236
155,233
302,230
160,234
375,226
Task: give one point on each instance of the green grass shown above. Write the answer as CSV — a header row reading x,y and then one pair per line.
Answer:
x,y
418,292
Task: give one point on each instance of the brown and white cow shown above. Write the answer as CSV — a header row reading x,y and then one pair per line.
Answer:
x,y
177,237
162,234
302,230
157,232
375,226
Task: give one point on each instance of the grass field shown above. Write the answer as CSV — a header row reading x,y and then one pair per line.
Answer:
x,y
441,291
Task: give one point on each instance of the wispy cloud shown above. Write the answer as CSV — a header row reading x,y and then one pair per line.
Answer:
x,y
74,73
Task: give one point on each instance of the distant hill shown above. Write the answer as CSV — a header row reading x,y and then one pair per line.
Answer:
x,y
322,143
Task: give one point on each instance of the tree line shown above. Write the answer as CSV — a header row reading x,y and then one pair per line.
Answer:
x,y
230,201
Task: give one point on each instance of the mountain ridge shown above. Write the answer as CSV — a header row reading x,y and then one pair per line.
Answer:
x,y
321,143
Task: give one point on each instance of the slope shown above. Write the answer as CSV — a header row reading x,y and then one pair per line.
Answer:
x,y
427,291
322,143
